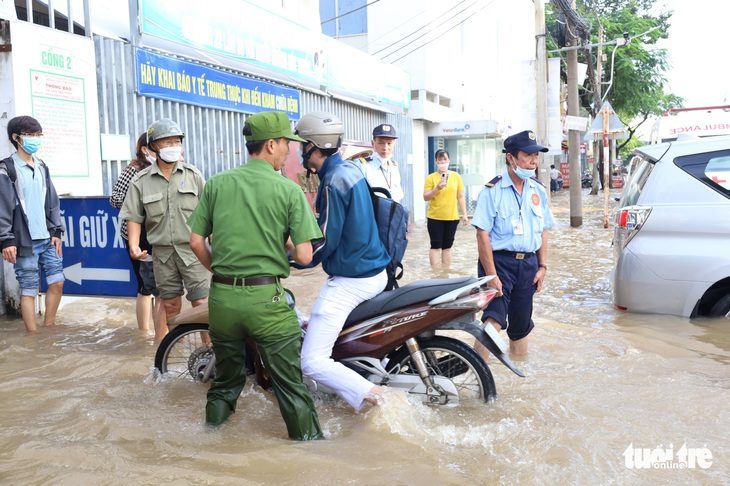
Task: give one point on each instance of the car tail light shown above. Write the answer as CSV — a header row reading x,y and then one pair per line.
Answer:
x,y
630,220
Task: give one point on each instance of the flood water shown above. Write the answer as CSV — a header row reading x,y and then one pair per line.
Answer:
x,y
80,405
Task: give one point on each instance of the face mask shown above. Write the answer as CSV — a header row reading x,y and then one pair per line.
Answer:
x,y
301,158
443,167
151,159
524,174
31,144
171,154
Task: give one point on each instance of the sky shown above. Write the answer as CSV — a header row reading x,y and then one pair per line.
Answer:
x,y
698,53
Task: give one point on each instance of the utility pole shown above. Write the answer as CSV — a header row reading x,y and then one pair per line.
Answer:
x,y
542,129
597,88
576,196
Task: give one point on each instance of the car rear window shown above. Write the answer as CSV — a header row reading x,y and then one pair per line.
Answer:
x,y
712,169
640,170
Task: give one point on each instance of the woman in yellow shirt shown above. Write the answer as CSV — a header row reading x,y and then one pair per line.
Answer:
x,y
442,190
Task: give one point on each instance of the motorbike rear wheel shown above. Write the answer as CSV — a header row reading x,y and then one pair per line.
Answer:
x,y
452,359
183,353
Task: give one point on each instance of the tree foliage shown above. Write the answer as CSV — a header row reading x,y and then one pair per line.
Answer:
x,y
637,79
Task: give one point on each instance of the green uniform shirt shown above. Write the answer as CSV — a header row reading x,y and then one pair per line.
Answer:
x,y
164,206
251,211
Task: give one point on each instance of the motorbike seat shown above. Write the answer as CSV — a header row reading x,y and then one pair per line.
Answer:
x,y
409,294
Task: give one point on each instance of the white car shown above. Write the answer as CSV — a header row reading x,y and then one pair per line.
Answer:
x,y
672,230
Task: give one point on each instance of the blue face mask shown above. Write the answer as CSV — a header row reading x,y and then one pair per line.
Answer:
x,y
31,144
524,174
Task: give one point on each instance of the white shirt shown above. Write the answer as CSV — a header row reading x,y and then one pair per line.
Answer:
x,y
383,173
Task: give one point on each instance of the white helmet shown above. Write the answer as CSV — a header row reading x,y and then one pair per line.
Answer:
x,y
323,129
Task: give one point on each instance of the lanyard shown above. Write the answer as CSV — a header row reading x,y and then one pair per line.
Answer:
x,y
386,175
518,198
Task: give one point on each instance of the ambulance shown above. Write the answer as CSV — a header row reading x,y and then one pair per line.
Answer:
x,y
707,121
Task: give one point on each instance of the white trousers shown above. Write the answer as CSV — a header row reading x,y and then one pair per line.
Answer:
x,y
338,297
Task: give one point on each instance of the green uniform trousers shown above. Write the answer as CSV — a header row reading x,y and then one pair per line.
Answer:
x,y
237,313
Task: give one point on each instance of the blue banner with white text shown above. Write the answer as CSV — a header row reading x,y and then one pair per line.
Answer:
x,y
171,79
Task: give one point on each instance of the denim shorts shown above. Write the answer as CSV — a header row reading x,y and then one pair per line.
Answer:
x,y
26,267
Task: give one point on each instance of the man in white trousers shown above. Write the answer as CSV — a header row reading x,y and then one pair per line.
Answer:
x,y
351,254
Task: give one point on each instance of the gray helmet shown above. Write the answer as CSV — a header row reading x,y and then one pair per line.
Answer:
x,y
323,129
162,129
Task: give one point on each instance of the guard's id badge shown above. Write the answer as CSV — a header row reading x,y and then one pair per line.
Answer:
x,y
517,227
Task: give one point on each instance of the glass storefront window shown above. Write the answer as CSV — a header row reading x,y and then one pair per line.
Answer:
x,y
476,159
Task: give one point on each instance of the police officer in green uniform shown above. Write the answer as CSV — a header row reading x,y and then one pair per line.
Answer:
x,y
256,216
162,197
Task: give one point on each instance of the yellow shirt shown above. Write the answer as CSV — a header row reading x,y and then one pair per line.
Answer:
x,y
444,206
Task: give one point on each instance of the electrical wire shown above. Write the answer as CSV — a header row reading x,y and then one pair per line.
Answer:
x,y
417,30
428,31
447,30
431,31
573,19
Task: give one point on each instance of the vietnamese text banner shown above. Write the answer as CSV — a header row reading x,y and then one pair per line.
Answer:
x,y
171,79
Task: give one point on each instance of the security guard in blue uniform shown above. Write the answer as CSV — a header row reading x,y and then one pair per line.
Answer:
x,y
512,218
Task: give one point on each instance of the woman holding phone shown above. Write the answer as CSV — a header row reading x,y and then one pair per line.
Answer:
x,y
442,190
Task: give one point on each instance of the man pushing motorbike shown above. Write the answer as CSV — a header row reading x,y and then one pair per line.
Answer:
x,y
351,254
253,211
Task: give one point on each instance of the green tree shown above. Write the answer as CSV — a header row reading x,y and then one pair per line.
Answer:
x,y
638,76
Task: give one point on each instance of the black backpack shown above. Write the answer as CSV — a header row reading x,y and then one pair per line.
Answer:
x,y
392,221
10,169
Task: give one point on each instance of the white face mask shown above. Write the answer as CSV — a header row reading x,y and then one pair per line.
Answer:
x,y
443,167
150,158
171,154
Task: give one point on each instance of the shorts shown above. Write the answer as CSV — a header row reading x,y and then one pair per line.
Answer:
x,y
144,273
441,233
513,311
26,268
173,273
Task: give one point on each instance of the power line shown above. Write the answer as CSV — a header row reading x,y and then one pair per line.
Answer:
x,y
386,34
351,11
417,30
447,30
427,32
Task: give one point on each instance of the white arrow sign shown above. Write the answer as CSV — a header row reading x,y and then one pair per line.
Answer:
x,y
77,274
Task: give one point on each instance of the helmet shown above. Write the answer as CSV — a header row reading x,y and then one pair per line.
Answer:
x,y
162,129
323,129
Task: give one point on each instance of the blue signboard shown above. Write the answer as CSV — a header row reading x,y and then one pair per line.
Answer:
x,y
95,260
171,79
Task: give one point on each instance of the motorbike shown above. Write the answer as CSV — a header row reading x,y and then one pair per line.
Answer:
x,y
587,180
391,340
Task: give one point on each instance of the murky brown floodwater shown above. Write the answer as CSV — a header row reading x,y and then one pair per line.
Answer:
x,y
79,405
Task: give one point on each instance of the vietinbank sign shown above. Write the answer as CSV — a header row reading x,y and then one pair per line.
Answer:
x,y
171,79
464,128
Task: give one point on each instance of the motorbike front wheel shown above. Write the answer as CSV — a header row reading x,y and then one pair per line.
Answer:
x,y
452,359
185,352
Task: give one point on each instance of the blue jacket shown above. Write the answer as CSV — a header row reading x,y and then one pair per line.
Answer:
x,y
351,246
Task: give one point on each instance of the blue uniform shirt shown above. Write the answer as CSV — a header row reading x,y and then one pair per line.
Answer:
x,y
514,222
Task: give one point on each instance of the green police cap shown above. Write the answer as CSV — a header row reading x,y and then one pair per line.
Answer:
x,y
268,125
